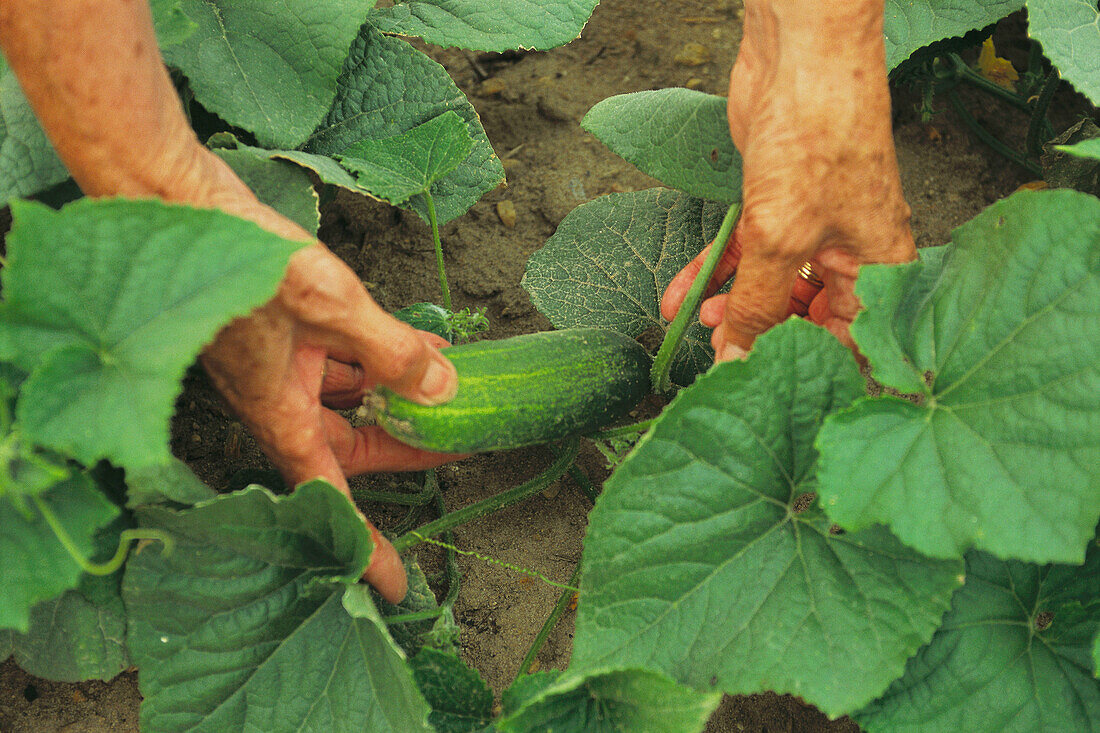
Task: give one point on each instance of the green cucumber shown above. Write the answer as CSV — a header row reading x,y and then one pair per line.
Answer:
x,y
428,317
524,390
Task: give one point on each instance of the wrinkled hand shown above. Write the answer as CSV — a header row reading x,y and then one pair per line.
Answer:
x,y
322,339
809,110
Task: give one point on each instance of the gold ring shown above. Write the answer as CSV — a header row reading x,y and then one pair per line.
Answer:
x,y
324,370
807,273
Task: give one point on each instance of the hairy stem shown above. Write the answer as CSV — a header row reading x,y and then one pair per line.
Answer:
x,y
125,538
438,250
988,138
1039,129
622,430
675,335
551,622
492,504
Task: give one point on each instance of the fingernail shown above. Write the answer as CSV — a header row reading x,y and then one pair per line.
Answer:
x,y
730,352
439,383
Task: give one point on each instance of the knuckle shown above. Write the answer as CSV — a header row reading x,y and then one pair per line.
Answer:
x,y
748,316
402,359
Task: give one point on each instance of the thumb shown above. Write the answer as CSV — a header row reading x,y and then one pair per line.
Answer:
x,y
757,301
395,355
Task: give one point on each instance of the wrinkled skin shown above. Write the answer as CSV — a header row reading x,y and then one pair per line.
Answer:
x,y
809,110
92,72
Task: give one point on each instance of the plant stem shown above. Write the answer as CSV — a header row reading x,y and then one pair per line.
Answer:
x,y
125,537
608,433
1040,125
418,498
551,622
451,572
492,504
438,249
963,72
675,335
988,138
579,476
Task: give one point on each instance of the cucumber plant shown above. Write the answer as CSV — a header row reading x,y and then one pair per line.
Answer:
x,y
775,528
922,565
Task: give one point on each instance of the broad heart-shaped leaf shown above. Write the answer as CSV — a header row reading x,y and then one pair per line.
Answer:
x,y
1069,31
1013,654
28,163
106,304
488,25
269,67
1003,453
81,634
911,25
246,625
1084,149
679,136
281,185
706,559
610,260
387,88
36,566
620,700
461,701
396,168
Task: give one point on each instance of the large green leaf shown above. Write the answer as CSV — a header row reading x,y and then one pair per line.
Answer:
x,y
706,558
910,25
679,136
28,163
387,88
399,167
80,634
607,702
106,304
36,565
610,260
269,67
246,625
1014,654
461,701
1069,31
280,184
999,334
488,25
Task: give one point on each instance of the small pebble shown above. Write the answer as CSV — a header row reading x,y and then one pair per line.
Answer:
x,y
694,83
506,210
492,86
692,54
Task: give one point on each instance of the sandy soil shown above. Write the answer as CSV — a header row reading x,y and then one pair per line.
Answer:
x,y
531,105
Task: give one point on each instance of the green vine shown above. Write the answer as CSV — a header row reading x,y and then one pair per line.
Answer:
x,y
662,363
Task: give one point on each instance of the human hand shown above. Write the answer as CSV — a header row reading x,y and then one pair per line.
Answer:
x,y
809,110
321,340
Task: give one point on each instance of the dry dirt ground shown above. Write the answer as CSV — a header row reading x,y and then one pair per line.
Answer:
x,y
531,106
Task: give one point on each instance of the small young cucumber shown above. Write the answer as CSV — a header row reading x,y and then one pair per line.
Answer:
x,y
524,390
428,317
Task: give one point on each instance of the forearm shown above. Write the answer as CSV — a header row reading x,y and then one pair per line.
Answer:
x,y
93,74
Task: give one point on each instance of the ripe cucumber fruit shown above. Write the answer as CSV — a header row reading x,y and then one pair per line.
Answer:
x,y
524,390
